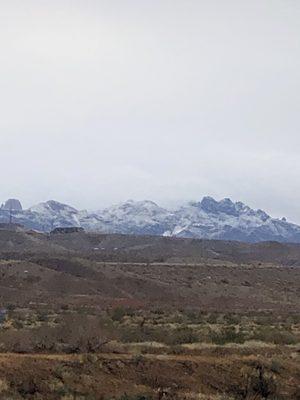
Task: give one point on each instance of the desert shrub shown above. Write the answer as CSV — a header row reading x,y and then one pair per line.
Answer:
x,y
159,311
135,397
178,318
132,334
4,386
180,336
264,320
138,359
74,334
118,313
42,316
227,335
79,333
212,319
10,307
162,335
27,388
195,317
257,385
61,391
138,334
276,336
261,384
294,319
284,337
276,366
144,334
19,341
192,316
232,319
17,324
177,350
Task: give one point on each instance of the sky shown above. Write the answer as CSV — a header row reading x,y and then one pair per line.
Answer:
x,y
169,100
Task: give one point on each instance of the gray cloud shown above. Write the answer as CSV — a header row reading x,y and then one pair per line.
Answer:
x,y
170,100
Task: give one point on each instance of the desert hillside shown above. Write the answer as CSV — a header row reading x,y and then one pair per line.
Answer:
x,y
91,316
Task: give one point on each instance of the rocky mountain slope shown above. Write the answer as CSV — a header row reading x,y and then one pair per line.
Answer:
x,y
209,219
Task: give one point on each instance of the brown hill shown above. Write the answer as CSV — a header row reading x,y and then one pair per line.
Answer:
x,y
127,248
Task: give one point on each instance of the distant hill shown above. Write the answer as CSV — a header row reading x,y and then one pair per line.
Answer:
x,y
209,219
145,249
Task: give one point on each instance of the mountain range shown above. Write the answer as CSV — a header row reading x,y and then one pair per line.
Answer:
x,y
210,219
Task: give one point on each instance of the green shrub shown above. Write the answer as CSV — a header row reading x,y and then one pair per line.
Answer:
x,y
276,336
181,336
276,366
177,350
170,337
18,324
42,316
195,317
227,335
132,334
212,319
118,314
136,397
232,319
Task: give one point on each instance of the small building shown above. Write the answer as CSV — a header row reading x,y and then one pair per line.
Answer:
x,y
71,229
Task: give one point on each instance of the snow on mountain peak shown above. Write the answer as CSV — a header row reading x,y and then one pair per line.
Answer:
x,y
52,206
208,218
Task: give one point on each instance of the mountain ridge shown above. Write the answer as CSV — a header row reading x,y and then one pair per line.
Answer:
x,y
208,218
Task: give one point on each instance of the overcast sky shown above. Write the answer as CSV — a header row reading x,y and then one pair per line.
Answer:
x,y
169,100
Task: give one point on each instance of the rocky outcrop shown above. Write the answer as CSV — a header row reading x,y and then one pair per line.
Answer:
x,y
12,204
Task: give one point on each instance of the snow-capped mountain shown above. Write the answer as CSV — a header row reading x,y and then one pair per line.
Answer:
x,y
231,221
206,219
138,217
53,214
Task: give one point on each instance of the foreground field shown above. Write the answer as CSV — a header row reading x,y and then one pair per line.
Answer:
x,y
100,317
220,375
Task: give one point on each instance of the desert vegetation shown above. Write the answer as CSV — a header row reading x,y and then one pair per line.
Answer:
x,y
76,327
